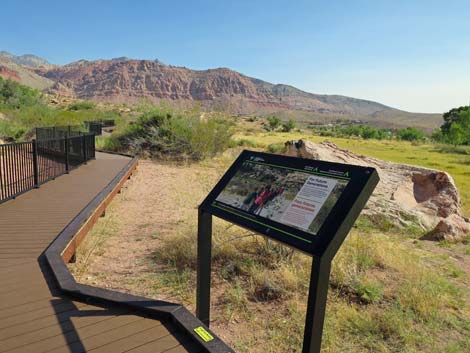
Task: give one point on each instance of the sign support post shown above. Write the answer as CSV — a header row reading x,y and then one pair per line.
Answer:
x,y
318,291
316,305
204,254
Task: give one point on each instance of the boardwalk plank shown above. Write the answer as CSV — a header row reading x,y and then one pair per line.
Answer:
x,y
33,317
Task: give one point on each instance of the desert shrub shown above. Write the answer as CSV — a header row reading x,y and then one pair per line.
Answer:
x,y
273,122
247,143
288,125
276,148
83,105
410,134
14,95
11,131
107,144
168,134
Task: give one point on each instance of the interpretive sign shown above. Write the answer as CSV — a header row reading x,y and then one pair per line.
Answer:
x,y
299,202
307,204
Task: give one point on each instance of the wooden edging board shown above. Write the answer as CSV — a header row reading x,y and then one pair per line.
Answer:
x,y
63,247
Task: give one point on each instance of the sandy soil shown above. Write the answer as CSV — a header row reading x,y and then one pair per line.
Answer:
x,y
152,203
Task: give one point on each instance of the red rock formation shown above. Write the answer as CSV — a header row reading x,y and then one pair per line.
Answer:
x,y
124,80
9,74
131,80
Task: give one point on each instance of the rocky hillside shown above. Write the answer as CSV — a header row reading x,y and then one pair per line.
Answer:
x,y
23,74
125,80
26,60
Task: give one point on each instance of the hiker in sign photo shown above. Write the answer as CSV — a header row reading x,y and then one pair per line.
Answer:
x,y
250,199
263,195
270,197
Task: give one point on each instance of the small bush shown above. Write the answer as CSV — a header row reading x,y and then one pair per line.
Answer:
x,y
276,148
11,131
288,125
410,134
368,291
84,105
247,143
273,122
14,95
107,144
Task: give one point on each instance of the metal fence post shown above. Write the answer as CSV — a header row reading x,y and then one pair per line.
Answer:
x,y
84,149
66,143
35,164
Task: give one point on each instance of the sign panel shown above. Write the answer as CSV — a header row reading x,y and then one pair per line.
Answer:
x,y
292,200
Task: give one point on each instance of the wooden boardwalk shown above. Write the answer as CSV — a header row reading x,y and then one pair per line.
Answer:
x,y
34,316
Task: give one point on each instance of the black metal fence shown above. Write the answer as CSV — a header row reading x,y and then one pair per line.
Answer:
x,y
26,165
108,123
54,132
94,127
90,127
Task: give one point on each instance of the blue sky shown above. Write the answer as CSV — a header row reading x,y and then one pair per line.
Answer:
x,y
410,54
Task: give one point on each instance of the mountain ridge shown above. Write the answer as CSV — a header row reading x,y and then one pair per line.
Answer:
x,y
28,60
125,80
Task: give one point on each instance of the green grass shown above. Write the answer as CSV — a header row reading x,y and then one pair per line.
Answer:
x,y
107,144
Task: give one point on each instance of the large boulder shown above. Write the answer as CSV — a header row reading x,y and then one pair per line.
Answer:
x,y
454,227
405,193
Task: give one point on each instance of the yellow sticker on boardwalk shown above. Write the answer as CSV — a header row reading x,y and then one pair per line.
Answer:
x,y
202,332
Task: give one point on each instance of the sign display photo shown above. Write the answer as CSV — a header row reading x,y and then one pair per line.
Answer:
x,y
295,198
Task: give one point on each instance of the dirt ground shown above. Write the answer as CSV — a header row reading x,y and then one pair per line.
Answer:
x,y
140,215
159,200
119,252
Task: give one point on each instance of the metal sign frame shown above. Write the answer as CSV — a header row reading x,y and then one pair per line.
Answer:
x,y
322,246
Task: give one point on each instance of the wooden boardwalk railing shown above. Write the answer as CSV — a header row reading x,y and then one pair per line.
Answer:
x,y
43,309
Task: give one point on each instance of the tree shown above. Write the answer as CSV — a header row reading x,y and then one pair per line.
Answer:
x,y
456,128
288,125
452,116
410,134
456,134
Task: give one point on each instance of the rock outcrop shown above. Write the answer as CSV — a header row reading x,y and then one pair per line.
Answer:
x,y
405,193
9,74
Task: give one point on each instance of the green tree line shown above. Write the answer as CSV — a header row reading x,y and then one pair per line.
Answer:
x,y
369,132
